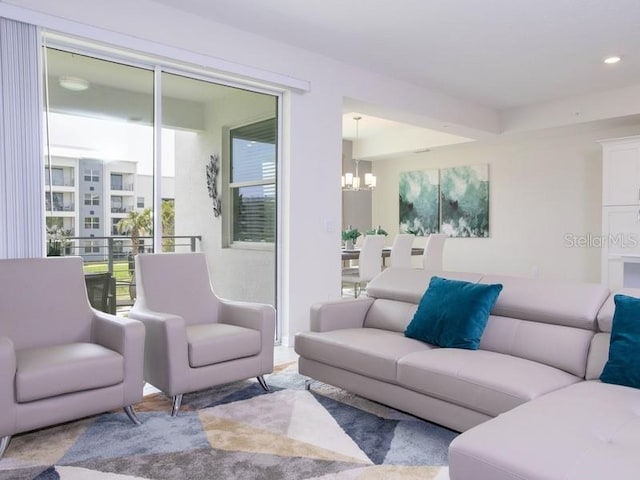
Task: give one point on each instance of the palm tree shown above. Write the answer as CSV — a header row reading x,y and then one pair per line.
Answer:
x,y
168,225
136,224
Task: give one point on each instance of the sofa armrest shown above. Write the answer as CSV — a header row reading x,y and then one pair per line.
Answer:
x,y
125,336
8,366
116,333
337,314
166,357
257,316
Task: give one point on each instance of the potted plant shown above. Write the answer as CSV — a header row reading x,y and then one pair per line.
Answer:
x,y
377,231
349,237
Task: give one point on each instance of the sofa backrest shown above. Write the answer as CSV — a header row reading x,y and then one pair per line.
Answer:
x,y
556,302
398,291
547,321
43,301
177,284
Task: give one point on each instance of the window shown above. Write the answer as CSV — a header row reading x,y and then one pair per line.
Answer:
x,y
55,201
253,182
92,223
117,181
91,175
140,202
57,176
117,204
91,199
92,247
114,226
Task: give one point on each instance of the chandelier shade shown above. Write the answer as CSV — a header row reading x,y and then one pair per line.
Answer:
x,y
351,181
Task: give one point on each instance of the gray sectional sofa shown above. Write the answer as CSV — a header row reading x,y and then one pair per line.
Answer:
x,y
528,400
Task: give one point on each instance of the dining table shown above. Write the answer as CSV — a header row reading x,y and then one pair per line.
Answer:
x,y
354,254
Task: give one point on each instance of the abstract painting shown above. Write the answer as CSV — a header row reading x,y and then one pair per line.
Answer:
x,y
419,202
464,197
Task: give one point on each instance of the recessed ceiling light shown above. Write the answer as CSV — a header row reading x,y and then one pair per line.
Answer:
x,y
611,60
75,84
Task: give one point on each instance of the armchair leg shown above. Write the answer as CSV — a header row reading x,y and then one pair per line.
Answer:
x,y
132,415
4,443
263,383
177,401
307,384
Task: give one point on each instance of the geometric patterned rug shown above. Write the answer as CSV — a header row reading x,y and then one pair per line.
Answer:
x,y
239,431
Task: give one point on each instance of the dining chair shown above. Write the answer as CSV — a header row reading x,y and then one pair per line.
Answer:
x,y
433,252
99,291
400,256
369,263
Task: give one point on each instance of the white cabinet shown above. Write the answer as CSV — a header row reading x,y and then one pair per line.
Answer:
x,y
620,244
620,241
621,171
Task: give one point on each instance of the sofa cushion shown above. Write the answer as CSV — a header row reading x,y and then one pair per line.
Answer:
x,y
49,371
367,351
623,365
589,430
453,313
487,382
219,342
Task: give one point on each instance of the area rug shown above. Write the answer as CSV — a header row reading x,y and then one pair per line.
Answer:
x,y
238,431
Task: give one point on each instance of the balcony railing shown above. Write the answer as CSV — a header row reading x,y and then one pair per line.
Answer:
x,y
60,183
65,207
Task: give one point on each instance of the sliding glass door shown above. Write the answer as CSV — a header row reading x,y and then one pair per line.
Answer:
x,y
130,146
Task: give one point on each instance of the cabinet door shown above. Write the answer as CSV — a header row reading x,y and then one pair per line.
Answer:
x,y
621,174
620,238
621,229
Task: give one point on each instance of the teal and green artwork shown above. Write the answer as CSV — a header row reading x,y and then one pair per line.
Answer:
x,y
419,202
464,201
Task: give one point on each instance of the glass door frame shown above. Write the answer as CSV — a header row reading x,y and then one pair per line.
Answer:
x,y
159,65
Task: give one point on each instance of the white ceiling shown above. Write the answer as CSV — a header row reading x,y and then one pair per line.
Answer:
x,y
501,54
498,53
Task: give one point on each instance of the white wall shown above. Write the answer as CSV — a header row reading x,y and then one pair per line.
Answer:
x,y
542,187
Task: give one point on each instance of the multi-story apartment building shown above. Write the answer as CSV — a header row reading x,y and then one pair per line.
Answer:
x,y
87,197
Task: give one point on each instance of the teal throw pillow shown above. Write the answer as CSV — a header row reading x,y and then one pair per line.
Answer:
x,y
453,313
623,365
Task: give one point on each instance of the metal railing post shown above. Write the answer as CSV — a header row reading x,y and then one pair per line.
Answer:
x,y
110,255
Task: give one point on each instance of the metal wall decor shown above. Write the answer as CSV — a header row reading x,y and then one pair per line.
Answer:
x,y
213,168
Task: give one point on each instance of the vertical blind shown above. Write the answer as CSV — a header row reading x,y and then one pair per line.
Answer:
x,y
21,191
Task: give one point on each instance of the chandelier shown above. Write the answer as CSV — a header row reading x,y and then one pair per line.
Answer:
x,y
351,181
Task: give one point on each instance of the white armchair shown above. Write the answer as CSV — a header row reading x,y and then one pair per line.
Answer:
x,y
194,339
60,359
